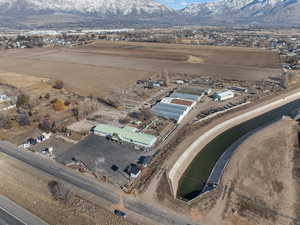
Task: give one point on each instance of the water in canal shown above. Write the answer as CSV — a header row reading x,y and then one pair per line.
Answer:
x,y
198,172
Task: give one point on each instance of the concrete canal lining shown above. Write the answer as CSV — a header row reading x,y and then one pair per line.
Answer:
x,y
175,173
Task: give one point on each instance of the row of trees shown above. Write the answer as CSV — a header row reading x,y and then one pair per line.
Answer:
x,y
6,121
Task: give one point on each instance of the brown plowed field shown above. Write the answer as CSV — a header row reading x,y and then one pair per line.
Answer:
x,y
97,68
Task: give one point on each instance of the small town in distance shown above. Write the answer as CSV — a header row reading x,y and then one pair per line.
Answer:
x,y
149,125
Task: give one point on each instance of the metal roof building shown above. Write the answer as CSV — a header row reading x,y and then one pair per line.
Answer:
x,y
223,95
192,91
178,104
126,134
170,111
185,96
167,115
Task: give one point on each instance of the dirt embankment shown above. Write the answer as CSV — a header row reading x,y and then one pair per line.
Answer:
x,y
260,185
259,180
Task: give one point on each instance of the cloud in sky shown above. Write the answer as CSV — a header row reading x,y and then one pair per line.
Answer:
x,y
178,4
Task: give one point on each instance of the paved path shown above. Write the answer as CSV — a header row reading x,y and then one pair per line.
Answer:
x,y
13,214
222,162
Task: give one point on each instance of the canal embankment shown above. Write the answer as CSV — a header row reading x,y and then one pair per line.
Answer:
x,y
183,162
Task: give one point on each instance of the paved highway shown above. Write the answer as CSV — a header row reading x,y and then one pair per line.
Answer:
x,y
159,215
60,172
13,214
134,205
8,219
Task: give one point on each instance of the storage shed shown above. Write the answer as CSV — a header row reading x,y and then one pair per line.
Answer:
x,y
223,95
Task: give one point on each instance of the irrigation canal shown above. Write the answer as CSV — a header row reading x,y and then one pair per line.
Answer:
x,y
194,180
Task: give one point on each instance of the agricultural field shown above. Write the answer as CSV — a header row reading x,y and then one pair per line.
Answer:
x,y
102,66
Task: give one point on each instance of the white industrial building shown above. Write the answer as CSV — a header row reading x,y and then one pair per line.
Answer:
x,y
223,95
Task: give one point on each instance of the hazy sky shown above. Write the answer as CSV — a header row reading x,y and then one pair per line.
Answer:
x,y
178,4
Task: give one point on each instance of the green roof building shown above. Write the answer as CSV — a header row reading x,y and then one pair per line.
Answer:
x,y
127,134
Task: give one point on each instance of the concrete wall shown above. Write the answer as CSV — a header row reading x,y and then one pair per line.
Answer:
x,y
175,173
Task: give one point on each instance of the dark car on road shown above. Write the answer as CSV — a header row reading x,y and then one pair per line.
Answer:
x,y
120,213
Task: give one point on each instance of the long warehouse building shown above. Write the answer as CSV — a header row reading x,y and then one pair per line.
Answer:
x,y
171,108
178,104
127,134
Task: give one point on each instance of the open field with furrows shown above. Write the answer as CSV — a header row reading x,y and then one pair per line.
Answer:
x,y
81,78
99,67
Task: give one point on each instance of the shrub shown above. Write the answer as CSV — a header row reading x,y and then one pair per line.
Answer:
x,y
47,96
59,105
67,103
23,120
23,101
59,84
8,125
60,192
45,125
124,120
5,122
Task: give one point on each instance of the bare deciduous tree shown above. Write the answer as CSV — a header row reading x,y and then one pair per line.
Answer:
x,y
60,192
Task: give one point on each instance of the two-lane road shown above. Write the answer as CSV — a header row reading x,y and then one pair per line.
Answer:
x,y
60,172
13,214
8,219
109,196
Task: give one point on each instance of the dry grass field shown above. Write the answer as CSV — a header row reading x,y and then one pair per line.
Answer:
x,y
261,184
99,67
29,188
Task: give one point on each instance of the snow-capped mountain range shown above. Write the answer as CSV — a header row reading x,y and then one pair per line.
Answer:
x,y
281,12
97,7
253,7
218,11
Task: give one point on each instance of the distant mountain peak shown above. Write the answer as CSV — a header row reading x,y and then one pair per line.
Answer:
x,y
99,7
272,11
218,12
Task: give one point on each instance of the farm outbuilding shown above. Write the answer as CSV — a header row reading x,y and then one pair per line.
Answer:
x,y
169,110
178,104
193,94
223,95
126,134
